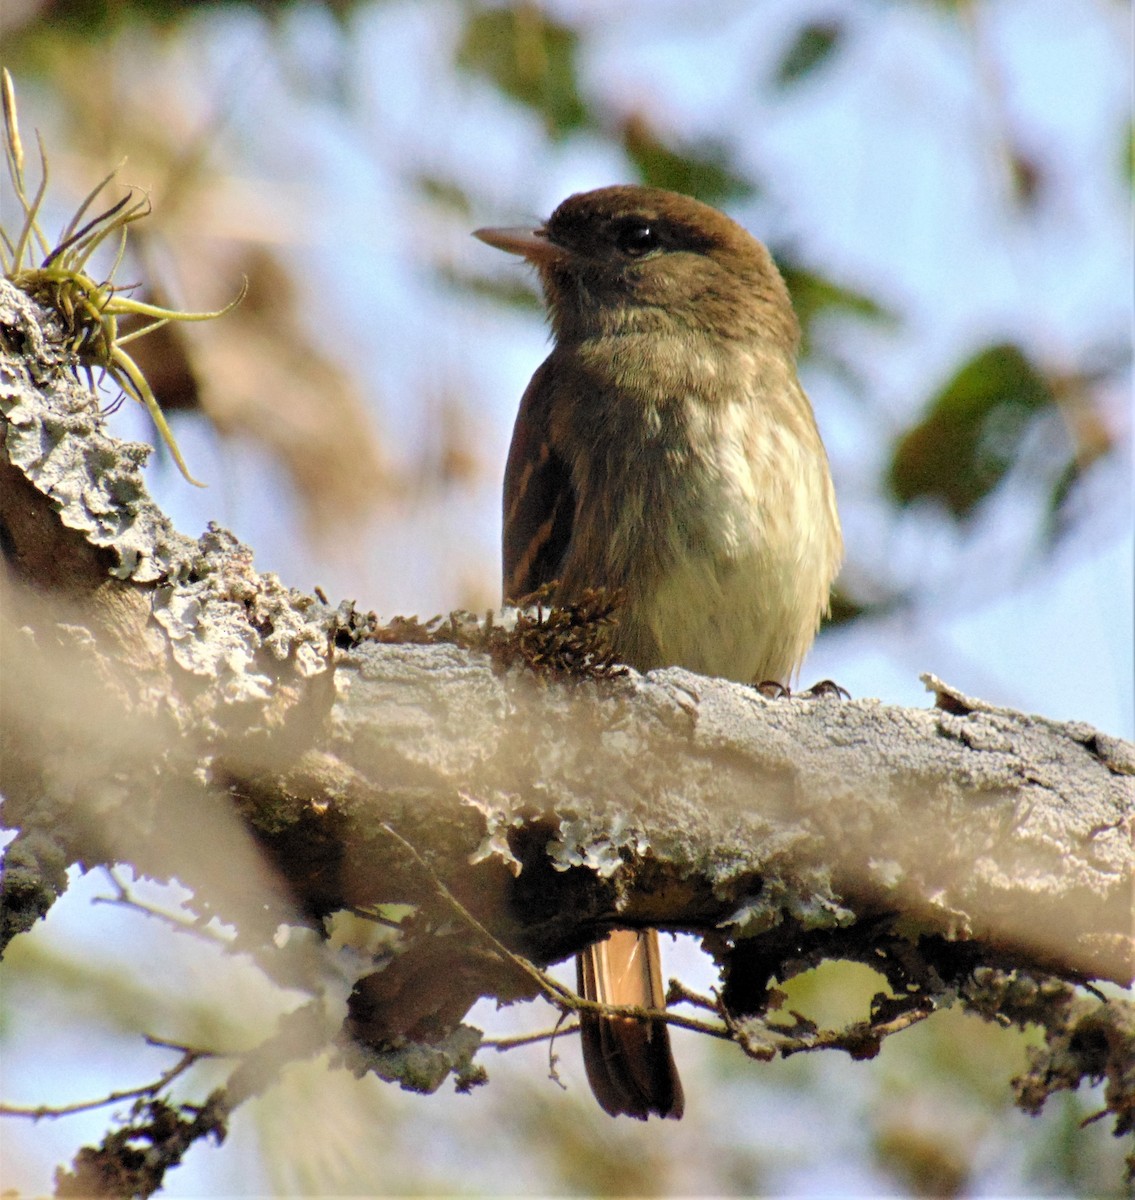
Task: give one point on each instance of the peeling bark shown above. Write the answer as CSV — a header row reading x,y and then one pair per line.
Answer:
x,y
167,706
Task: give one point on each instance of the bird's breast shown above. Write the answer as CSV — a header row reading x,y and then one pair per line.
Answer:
x,y
751,567
718,521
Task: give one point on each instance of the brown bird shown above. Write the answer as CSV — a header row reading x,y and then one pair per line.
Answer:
x,y
666,450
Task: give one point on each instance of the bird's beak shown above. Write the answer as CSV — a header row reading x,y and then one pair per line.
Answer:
x,y
532,244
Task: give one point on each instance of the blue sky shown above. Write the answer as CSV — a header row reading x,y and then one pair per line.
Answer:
x,y
883,172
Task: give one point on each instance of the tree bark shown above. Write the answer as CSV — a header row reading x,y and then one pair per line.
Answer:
x,y
167,706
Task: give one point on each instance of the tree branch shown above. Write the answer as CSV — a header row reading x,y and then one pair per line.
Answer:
x,y
169,707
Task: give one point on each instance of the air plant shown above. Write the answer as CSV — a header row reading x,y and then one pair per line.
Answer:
x,y
89,311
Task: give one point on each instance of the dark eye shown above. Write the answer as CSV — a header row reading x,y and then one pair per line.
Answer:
x,y
637,238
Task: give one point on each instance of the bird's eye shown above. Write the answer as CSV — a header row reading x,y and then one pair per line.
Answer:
x,y
637,238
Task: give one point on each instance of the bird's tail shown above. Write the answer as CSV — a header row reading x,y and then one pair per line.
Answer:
x,y
629,1064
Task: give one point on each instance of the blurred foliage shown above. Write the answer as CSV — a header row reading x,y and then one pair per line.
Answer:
x,y
532,58
706,171
972,435
85,20
983,425
516,291
815,296
813,45
285,373
971,432
1071,1161
926,1165
1027,177
845,608
444,193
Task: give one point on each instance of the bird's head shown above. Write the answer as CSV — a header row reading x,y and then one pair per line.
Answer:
x,y
630,259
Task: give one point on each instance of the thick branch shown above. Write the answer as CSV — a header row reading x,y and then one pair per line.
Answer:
x,y
977,822
204,701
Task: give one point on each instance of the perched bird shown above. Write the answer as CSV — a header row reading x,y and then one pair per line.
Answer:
x,y
666,450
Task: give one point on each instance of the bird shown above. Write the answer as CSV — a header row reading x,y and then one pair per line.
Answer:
x,y
665,450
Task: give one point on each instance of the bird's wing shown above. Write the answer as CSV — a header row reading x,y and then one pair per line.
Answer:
x,y
539,501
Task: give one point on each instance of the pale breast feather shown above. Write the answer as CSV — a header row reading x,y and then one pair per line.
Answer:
x,y
735,602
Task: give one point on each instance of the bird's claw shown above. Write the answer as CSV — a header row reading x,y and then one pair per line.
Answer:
x,y
771,689
826,689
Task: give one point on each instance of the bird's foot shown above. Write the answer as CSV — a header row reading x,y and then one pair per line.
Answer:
x,y
826,689
771,689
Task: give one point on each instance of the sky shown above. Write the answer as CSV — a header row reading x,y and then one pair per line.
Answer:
x,y
877,189
884,173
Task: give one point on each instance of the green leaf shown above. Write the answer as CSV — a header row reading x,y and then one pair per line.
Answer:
x,y
815,295
1058,502
812,47
971,432
531,58
705,172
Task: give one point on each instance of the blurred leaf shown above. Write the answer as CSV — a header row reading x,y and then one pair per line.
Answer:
x,y
844,608
815,295
1026,177
444,193
86,19
705,172
1128,155
971,433
265,376
531,58
1071,1161
926,1162
812,47
515,292
47,21
1092,439
588,1154
1057,515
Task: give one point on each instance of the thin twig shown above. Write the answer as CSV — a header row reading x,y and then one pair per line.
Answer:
x,y
853,1038
556,992
189,1056
559,995
182,923
528,1039
679,993
553,1057
781,1041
